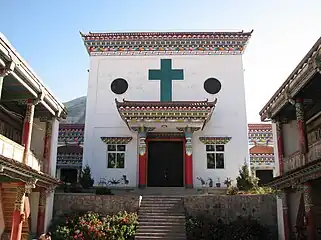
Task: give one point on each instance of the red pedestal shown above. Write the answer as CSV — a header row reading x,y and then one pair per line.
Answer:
x,y
142,171
188,171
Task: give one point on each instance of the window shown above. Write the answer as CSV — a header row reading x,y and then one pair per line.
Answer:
x,y
116,156
215,156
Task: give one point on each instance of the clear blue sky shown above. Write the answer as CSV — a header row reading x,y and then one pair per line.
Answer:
x,y
46,33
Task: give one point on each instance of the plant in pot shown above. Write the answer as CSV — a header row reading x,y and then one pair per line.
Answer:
x,y
228,182
203,183
218,183
210,182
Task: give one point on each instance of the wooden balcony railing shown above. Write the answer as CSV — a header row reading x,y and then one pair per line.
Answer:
x,y
13,150
293,161
314,152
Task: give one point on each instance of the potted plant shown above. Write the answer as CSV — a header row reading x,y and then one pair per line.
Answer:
x,y
218,183
210,182
228,182
203,183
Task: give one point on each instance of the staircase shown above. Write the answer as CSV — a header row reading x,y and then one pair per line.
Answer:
x,y
161,217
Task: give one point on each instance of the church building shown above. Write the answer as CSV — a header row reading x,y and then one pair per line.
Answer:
x,y
165,109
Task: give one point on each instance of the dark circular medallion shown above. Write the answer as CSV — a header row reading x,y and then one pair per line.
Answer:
x,y
212,85
119,86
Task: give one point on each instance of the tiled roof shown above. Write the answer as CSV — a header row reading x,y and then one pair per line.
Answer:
x,y
23,170
158,104
260,127
70,149
262,150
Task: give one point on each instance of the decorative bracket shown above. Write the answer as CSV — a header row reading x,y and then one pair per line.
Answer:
x,y
188,131
215,140
7,70
1,168
317,61
116,140
30,184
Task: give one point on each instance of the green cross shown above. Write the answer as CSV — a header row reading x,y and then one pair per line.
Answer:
x,y
166,75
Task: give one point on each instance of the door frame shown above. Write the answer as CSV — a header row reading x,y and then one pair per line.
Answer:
x,y
177,139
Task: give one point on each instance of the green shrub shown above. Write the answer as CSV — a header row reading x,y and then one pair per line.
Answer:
x,y
200,228
245,181
87,226
103,191
232,190
85,179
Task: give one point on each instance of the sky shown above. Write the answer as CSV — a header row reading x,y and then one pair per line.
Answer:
x,y
46,34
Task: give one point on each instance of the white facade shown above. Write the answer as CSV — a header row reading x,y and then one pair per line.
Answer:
x,y
103,119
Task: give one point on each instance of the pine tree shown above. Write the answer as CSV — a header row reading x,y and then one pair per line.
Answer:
x,y
85,179
245,181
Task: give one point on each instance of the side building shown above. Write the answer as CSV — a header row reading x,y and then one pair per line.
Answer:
x,y
29,121
295,110
70,152
261,150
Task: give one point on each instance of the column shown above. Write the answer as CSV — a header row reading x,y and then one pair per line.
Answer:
x,y
41,212
308,206
142,160
188,158
27,129
299,111
18,215
286,225
279,136
47,146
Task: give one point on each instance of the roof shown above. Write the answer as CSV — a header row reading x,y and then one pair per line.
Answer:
x,y
32,81
171,104
262,150
15,169
259,127
165,42
71,133
278,100
70,149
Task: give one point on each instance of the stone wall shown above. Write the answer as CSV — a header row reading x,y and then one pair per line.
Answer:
x,y
229,207
106,204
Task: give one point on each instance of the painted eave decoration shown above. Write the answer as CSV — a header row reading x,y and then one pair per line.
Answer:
x,y
135,112
215,140
17,170
16,66
298,176
260,134
167,43
116,140
71,133
308,66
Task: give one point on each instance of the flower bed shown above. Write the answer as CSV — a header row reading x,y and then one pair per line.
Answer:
x,y
200,228
90,225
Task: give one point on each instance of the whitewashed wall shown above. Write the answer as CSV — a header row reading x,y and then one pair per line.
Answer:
x,y
103,120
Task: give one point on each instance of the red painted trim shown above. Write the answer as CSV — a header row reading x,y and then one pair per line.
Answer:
x,y
182,139
16,228
188,170
142,168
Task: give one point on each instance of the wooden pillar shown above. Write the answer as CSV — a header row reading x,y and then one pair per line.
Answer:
x,y
279,136
18,214
188,159
142,160
27,129
41,212
308,206
47,150
299,110
285,210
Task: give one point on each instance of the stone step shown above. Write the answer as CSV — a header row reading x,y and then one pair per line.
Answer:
x,y
165,210
158,237
160,234
153,223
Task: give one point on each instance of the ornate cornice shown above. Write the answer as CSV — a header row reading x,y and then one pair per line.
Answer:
x,y
116,140
215,140
166,43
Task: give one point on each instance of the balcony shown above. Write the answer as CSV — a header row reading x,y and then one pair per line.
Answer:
x,y
296,159
293,161
13,150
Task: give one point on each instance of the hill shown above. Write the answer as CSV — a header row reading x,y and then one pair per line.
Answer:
x,y
76,110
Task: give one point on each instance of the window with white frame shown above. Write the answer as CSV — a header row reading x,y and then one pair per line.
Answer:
x,y
116,155
215,156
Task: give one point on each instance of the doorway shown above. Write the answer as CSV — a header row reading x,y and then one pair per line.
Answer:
x,y
69,175
165,166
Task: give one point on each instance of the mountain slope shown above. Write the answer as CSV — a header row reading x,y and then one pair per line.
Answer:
x,y
76,110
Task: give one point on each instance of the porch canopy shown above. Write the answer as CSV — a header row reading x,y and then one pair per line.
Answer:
x,y
166,116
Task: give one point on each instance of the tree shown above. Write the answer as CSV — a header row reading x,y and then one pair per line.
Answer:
x,y
85,179
245,181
